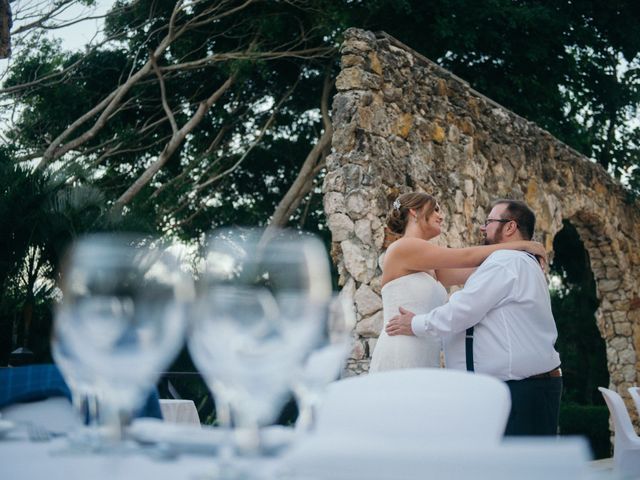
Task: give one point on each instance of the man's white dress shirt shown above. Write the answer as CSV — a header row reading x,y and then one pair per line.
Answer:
x,y
507,300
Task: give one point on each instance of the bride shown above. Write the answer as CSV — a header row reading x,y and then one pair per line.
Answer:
x,y
415,274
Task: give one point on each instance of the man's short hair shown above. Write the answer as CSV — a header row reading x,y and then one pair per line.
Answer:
x,y
520,212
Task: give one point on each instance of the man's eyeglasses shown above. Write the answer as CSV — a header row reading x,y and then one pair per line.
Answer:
x,y
499,220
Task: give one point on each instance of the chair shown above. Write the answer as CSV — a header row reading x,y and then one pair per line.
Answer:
x,y
426,423
425,405
626,448
635,394
522,458
179,411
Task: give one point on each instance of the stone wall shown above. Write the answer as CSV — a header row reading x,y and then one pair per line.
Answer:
x,y
5,29
402,123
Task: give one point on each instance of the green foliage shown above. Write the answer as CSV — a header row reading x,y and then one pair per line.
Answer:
x,y
582,349
16,308
120,151
580,344
591,421
22,195
40,215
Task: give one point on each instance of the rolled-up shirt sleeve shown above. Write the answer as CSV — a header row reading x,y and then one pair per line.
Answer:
x,y
484,290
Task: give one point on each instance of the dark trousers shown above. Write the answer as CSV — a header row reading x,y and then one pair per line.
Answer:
x,y
535,406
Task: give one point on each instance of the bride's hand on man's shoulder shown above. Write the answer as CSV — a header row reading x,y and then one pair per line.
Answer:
x,y
543,262
537,249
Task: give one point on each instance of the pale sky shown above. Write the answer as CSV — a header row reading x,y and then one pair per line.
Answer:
x,y
78,35
75,36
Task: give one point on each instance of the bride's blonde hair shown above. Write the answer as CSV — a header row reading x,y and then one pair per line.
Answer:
x,y
398,217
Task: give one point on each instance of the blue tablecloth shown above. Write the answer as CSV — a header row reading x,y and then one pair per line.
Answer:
x,y
36,382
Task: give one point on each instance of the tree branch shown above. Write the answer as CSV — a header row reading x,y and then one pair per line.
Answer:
x,y
107,106
254,143
304,181
172,146
163,95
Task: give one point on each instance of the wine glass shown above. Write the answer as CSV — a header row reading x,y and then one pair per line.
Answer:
x,y
326,362
258,314
84,392
121,320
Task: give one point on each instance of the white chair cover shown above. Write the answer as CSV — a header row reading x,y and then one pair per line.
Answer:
x,y
635,395
626,448
424,405
349,458
179,411
422,424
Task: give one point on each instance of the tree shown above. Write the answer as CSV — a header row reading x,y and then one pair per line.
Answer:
x,y
22,195
41,215
28,251
149,138
173,114
194,137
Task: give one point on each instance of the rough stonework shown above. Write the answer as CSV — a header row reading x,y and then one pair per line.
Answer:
x,y
5,29
402,123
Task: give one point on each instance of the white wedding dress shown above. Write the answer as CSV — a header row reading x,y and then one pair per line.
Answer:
x,y
419,293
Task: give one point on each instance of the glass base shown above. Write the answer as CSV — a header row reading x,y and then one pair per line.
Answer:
x,y
97,441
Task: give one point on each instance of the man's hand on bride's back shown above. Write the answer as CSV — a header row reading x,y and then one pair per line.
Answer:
x,y
400,324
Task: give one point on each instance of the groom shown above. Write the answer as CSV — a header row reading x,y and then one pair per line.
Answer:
x,y
501,324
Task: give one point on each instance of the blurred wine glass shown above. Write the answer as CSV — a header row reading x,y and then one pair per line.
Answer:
x,y
121,320
84,391
327,360
258,314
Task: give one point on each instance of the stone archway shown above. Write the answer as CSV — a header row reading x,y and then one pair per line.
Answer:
x,y
403,123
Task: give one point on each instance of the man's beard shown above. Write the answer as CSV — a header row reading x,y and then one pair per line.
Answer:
x,y
497,237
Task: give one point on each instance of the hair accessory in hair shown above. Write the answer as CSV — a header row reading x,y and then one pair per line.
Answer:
x,y
396,204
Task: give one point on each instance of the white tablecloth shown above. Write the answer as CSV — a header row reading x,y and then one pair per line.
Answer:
x,y
313,459
24,460
179,411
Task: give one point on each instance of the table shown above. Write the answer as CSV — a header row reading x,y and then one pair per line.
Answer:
x,y
21,459
24,460
310,459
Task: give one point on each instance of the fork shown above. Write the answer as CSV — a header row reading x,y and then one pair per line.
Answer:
x,y
37,433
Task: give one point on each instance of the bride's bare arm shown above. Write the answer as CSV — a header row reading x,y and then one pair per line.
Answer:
x,y
453,276
415,254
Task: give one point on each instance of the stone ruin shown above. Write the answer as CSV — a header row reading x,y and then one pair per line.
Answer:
x,y
402,123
